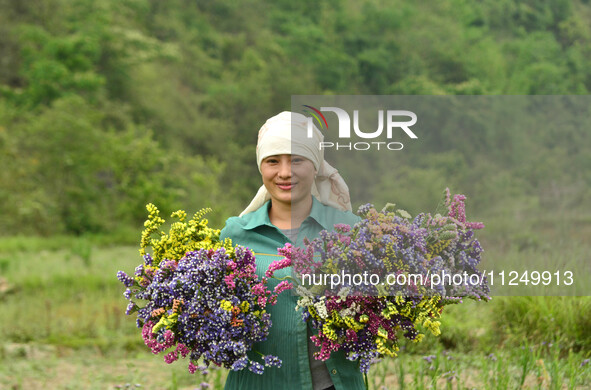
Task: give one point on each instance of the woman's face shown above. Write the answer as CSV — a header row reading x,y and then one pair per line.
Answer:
x,y
288,178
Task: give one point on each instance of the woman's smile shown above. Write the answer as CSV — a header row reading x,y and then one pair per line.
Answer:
x,y
286,186
288,178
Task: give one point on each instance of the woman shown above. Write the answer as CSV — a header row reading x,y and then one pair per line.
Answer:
x,y
300,196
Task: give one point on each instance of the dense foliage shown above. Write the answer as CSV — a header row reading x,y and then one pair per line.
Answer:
x,y
106,105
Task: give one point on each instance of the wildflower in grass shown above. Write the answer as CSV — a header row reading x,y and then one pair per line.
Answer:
x,y
429,359
585,362
447,355
203,298
450,375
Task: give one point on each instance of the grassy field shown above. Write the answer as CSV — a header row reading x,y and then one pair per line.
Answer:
x,y
63,327
26,366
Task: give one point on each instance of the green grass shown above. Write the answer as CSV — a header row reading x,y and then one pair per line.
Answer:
x,y
125,235
42,367
529,366
60,298
32,366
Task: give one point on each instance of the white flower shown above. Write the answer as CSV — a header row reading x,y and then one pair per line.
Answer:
x,y
321,309
344,292
303,292
303,302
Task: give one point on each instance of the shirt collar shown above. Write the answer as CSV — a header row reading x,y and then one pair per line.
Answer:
x,y
318,214
260,216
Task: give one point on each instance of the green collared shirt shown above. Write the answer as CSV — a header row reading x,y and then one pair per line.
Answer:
x,y
287,338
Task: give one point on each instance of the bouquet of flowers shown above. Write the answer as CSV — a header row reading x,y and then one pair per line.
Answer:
x,y
388,273
197,296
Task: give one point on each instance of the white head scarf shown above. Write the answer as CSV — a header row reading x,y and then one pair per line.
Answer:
x,y
287,133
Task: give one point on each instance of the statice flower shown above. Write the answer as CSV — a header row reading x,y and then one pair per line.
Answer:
x,y
240,364
365,318
203,298
277,265
125,279
271,361
256,367
282,286
429,359
131,306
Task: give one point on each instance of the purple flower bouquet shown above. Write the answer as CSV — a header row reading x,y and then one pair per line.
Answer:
x,y
362,286
198,297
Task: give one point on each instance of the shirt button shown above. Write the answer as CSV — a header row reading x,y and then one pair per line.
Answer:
x,y
334,371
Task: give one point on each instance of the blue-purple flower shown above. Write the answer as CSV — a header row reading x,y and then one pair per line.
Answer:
x,y
190,308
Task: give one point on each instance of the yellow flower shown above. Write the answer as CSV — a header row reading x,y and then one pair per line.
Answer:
x,y
182,237
225,305
245,306
329,331
165,322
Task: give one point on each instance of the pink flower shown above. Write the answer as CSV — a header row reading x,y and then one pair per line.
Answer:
x,y
351,335
148,337
475,225
277,265
147,330
229,279
457,210
343,228
326,349
259,289
284,285
171,357
168,339
249,269
183,350
286,251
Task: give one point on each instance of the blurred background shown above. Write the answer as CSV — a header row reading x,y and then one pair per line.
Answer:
x,y
107,105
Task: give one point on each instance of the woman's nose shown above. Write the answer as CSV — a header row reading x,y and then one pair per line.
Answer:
x,y
285,169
